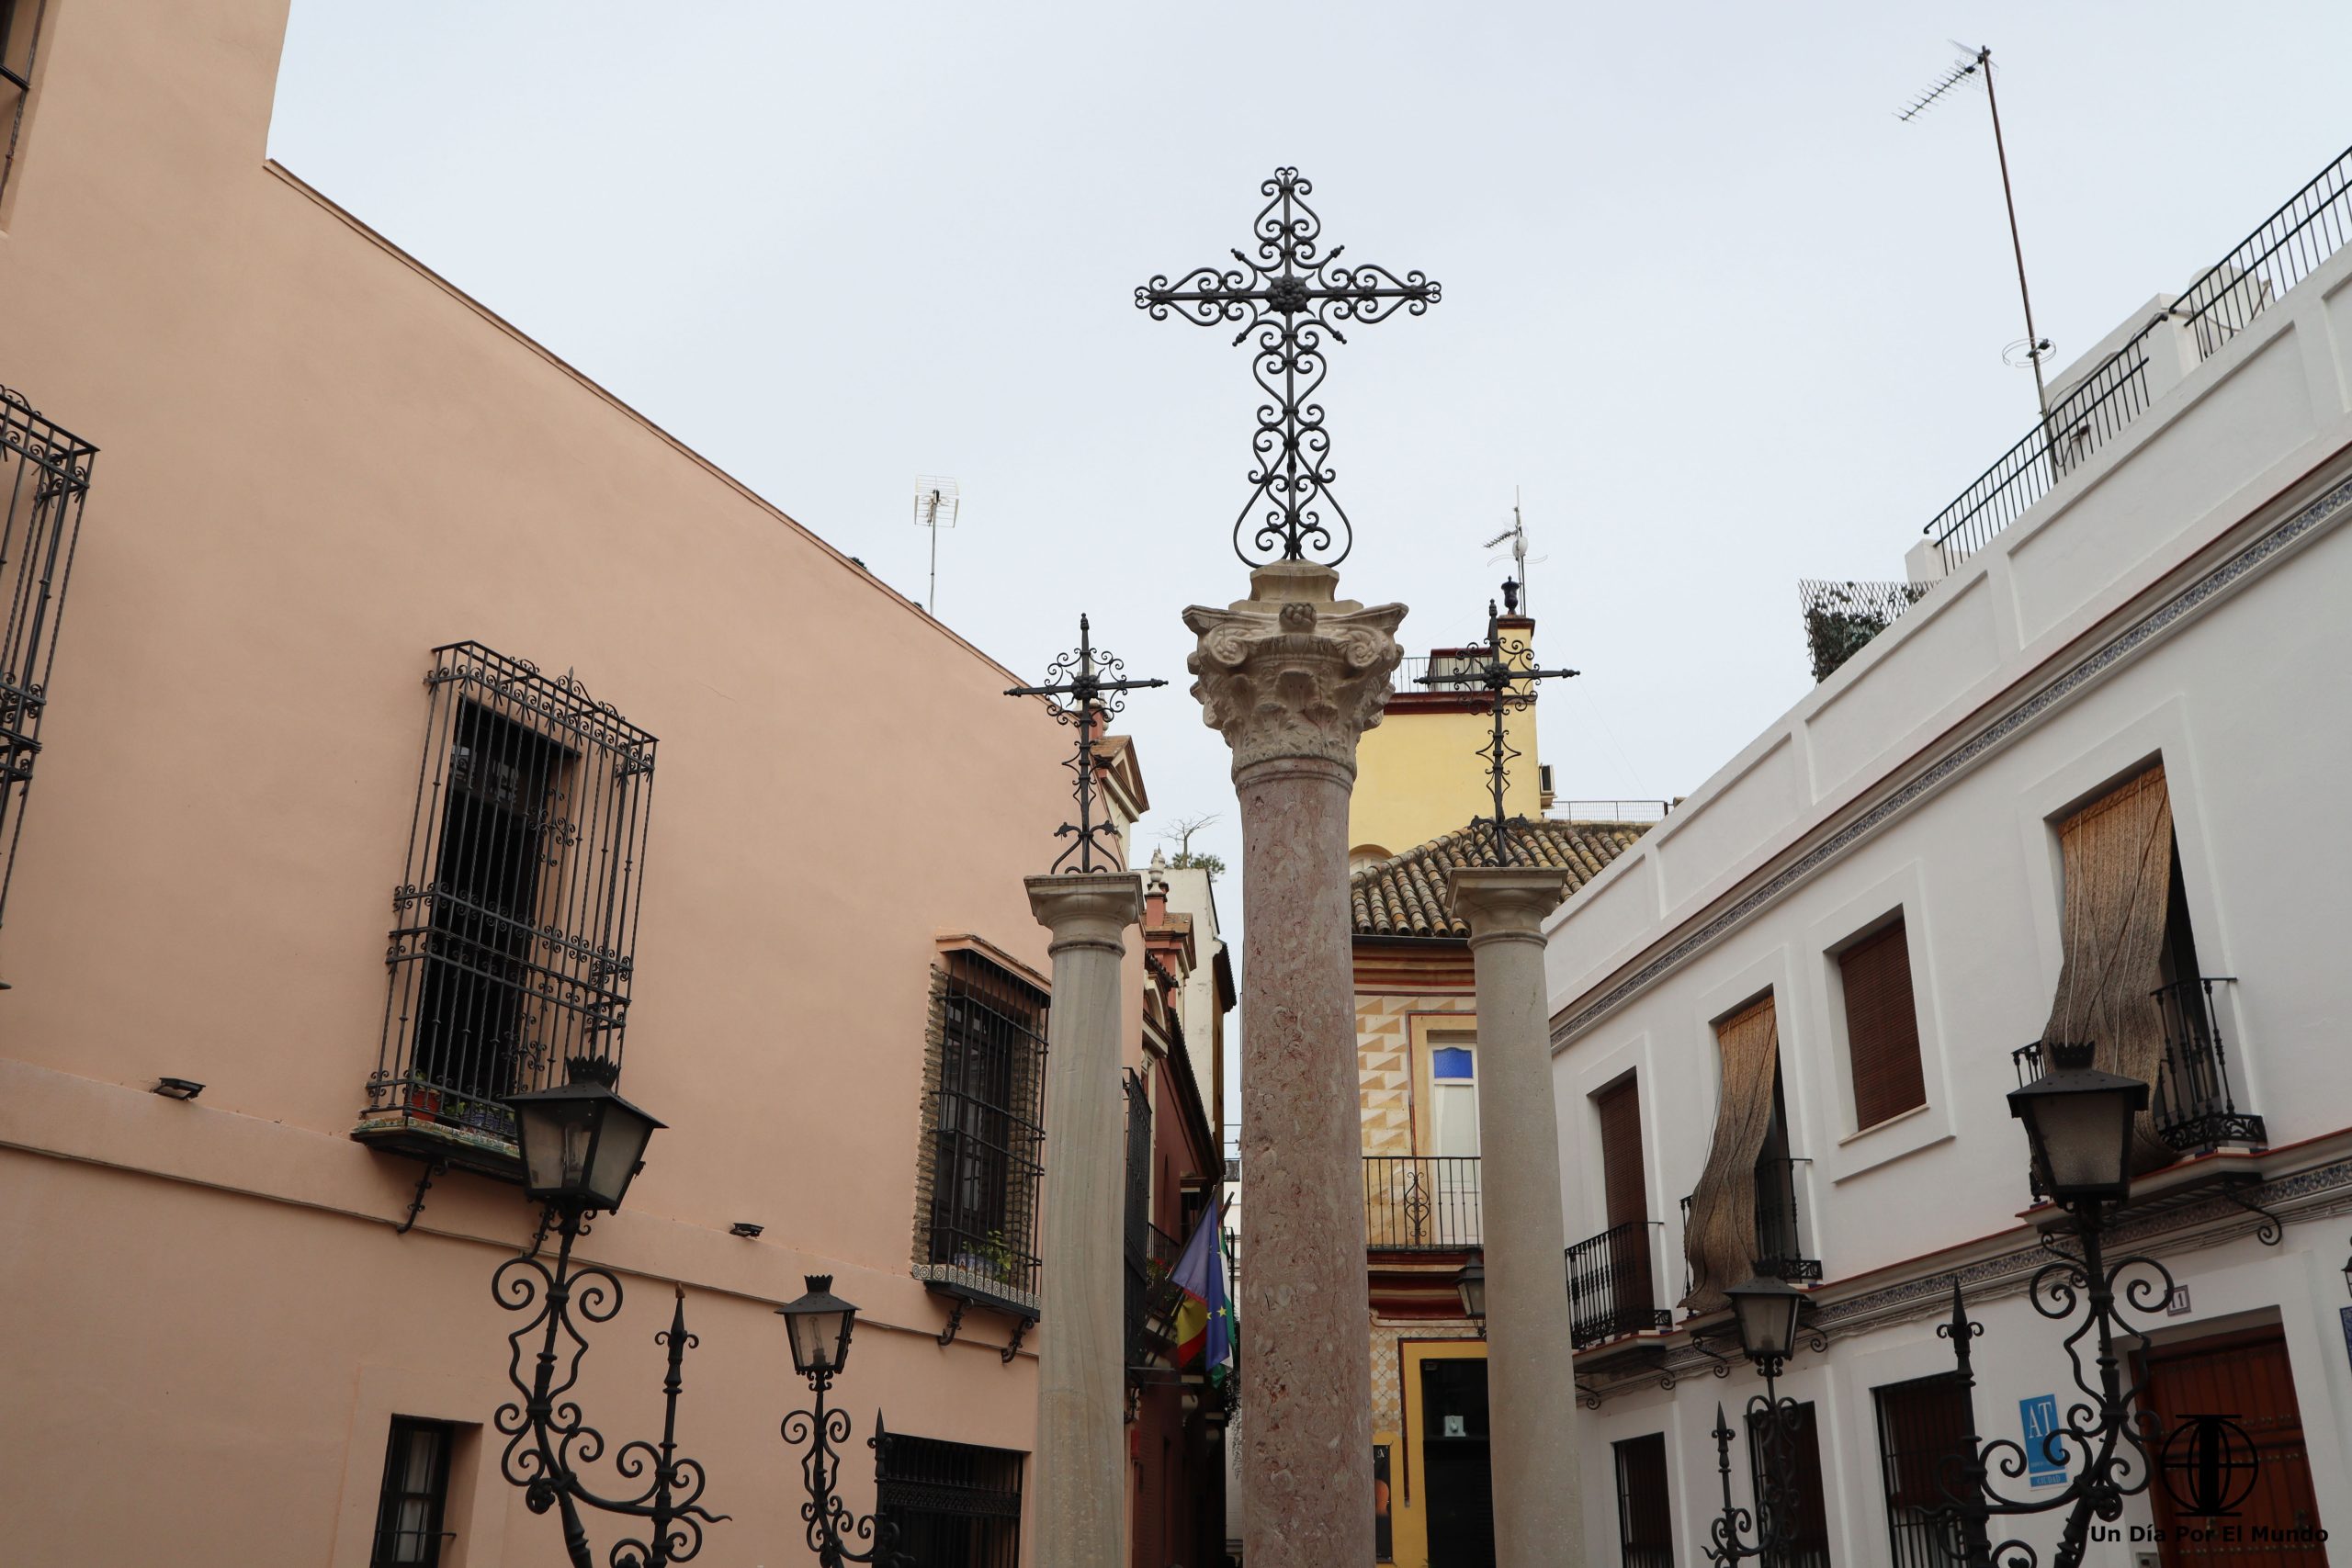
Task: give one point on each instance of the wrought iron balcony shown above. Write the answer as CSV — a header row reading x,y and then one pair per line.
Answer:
x,y
1780,1248
1420,1202
1612,1287
2194,1107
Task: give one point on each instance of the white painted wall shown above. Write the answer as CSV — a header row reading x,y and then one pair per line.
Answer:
x,y
2244,695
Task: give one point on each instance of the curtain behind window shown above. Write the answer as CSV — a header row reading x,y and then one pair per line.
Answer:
x,y
2117,859
1719,1238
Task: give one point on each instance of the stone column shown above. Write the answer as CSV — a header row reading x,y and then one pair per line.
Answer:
x,y
1081,1354
1291,676
1531,1370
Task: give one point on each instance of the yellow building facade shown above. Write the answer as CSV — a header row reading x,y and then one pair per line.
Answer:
x,y
1421,773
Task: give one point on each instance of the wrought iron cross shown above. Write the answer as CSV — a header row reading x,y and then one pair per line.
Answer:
x,y
1292,295
1087,687
1508,675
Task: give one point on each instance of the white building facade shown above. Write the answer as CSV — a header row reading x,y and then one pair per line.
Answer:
x,y
1810,979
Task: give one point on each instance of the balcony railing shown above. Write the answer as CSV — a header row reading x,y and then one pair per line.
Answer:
x,y
1420,1202
1780,1248
2194,1107
2291,244
1612,1288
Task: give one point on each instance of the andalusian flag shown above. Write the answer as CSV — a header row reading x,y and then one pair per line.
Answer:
x,y
1204,1318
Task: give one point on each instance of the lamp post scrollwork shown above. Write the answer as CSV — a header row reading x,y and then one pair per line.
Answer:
x,y
1765,1311
2078,1121
581,1145
819,1324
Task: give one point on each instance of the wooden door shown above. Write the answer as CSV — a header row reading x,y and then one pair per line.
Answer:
x,y
2244,1377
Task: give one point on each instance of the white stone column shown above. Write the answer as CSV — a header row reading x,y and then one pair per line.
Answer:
x,y
1531,1370
1082,1356
1291,676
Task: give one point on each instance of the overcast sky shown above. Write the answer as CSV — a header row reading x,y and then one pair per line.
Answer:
x,y
1720,317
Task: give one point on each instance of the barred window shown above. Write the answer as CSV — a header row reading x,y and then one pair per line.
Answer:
x,y
1805,1533
414,1496
44,474
957,1505
1923,1428
19,46
511,954
986,1137
1644,1519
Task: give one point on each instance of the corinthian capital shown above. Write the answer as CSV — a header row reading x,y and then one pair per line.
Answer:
x,y
1292,671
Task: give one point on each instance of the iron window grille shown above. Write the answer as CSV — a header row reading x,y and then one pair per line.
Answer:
x,y
1805,1533
515,926
1644,1519
44,477
1923,1438
414,1495
956,1504
19,46
987,1138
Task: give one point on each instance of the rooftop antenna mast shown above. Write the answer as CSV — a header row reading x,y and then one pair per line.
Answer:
x,y
936,504
1978,63
1516,537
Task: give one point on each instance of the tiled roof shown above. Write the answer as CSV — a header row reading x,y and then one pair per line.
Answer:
x,y
1405,895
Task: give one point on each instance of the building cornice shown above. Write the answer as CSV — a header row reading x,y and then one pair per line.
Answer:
x,y
1900,793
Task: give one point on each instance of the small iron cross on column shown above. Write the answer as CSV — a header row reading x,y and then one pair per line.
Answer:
x,y
1087,680
1290,297
1508,675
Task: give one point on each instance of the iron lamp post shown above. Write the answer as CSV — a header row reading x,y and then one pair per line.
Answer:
x,y
1765,1311
819,1325
581,1144
2078,1121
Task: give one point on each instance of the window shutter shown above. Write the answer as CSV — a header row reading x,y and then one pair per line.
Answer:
x,y
1881,1026
1621,1153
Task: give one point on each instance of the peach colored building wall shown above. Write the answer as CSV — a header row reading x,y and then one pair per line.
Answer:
x,y
317,463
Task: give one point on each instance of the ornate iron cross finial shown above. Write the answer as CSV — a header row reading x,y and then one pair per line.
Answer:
x,y
1505,669
1085,688
1292,295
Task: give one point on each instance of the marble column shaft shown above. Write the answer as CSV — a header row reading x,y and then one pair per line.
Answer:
x,y
1531,1369
1082,1359
1291,677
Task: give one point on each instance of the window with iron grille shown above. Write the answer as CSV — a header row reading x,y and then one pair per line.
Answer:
x,y
1644,1522
1882,1025
19,46
1806,1534
957,1505
984,1127
1922,1431
44,474
415,1495
515,926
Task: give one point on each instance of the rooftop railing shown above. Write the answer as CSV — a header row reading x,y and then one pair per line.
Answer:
x,y
2289,246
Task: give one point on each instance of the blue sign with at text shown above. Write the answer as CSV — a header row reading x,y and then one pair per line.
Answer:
x,y
2045,1451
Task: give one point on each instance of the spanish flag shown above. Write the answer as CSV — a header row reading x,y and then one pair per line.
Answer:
x,y
1204,1318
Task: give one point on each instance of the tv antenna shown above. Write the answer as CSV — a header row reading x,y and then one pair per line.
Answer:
x,y
935,506
1977,63
1516,537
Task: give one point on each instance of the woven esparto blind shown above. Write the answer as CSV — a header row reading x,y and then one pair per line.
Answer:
x,y
2117,859
1719,1238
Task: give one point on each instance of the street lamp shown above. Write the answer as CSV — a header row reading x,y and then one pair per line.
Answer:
x,y
1472,1283
2078,1122
581,1143
819,1325
1764,1310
